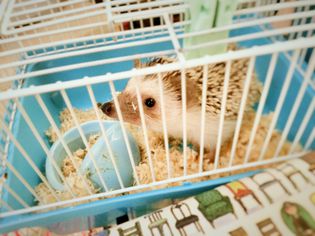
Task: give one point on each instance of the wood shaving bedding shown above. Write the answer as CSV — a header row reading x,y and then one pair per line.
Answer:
x,y
158,154
176,156
67,165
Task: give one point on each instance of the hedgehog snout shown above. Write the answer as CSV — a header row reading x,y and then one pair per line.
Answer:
x,y
108,108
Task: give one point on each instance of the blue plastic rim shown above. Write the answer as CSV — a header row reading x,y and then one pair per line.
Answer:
x,y
80,99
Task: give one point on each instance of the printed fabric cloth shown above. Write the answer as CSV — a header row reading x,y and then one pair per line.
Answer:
x,y
278,201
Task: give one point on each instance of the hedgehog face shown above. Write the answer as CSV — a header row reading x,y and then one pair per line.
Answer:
x,y
151,98
151,103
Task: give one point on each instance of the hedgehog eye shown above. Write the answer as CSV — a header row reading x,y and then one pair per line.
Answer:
x,y
149,102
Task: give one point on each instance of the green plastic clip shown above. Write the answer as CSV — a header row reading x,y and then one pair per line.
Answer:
x,y
206,14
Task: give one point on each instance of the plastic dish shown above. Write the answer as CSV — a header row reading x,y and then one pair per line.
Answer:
x,y
101,155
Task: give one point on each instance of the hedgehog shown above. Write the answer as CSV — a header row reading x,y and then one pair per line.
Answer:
x,y
149,89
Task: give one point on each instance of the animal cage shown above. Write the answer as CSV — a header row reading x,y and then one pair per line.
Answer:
x,y
65,56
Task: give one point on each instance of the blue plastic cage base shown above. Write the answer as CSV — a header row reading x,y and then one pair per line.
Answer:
x,y
104,212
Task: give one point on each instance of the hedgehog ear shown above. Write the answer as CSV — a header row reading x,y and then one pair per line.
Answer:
x,y
137,63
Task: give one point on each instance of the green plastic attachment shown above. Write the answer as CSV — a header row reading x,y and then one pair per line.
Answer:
x,y
206,14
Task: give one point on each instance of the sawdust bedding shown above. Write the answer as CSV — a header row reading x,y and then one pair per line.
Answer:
x,y
158,154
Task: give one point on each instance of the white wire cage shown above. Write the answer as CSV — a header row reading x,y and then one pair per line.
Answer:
x,y
64,54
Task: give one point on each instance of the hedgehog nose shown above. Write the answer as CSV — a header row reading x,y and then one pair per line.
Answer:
x,y
107,108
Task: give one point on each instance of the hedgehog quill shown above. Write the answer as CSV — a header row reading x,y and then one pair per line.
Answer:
x,y
172,93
